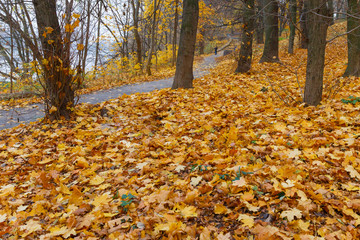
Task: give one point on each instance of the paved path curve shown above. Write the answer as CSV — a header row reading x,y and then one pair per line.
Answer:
x,y
15,116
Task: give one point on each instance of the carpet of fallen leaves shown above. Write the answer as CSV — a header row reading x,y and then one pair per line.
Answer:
x,y
237,157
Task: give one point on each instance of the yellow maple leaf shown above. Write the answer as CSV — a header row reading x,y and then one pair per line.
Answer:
x,y
7,190
188,212
101,200
239,183
97,180
280,126
246,220
291,214
30,227
352,171
170,227
303,226
64,189
205,234
221,209
195,181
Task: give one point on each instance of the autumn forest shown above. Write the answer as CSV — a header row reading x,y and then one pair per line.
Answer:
x,y
180,119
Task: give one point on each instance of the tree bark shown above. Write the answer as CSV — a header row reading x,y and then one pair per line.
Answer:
x,y
176,23
259,22
304,40
87,36
136,9
59,94
271,48
97,48
184,64
245,56
318,21
353,41
331,12
292,23
152,41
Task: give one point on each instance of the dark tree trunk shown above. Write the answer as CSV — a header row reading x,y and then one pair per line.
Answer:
x,y
259,22
136,9
331,12
271,48
318,21
304,40
353,23
97,48
245,56
59,94
176,23
282,17
184,64
153,40
292,23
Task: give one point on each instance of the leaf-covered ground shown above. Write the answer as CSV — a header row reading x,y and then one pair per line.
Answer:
x,y
226,160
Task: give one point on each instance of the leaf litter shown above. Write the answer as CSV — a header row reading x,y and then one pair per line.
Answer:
x,y
225,160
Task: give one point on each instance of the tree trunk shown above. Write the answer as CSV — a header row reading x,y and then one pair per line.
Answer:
x,y
331,14
176,23
259,22
282,17
271,48
245,56
318,21
11,55
59,94
97,48
87,36
152,41
136,9
292,23
184,64
353,28
304,40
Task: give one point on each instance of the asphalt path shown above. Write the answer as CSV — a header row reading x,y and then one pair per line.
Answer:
x,y
15,116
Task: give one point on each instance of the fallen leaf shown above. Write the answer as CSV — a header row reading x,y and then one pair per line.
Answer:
x,y
291,214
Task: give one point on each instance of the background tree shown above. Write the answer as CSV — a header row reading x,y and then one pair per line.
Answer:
x,y
135,5
318,22
245,55
271,47
303,8
175,38
353,36
153,34
259,33
184,65
292,24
